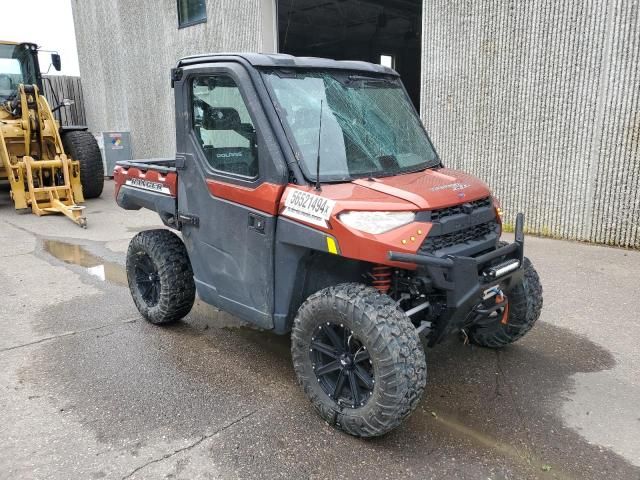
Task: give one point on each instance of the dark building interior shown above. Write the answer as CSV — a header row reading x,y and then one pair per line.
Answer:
x,y
377,31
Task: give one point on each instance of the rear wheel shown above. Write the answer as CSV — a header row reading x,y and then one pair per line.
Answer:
x,y
525,305
160,276
82,146
358,359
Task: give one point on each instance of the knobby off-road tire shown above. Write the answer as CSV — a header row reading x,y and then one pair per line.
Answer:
x,y
82,146
395,359
160,276
525,304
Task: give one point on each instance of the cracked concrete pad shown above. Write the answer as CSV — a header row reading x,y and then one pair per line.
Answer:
x,y
15,241
106,222
29,284
614,425
90,390
185,458
118,246
594,291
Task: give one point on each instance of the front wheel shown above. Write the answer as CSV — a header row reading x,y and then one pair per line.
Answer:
x,y
358,359
160,276
82,146
525,305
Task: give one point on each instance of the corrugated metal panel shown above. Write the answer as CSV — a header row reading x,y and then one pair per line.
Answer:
x,y
541,99
58,87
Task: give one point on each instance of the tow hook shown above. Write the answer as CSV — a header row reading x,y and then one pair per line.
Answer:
x,y
501,301
502,298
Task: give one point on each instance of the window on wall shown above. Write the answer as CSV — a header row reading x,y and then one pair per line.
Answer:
x,y
388,61
223,126
191,12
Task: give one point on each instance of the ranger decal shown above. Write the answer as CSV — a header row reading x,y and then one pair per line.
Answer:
x,y
147,185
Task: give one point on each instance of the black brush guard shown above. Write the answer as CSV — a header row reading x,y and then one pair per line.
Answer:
x,y
464,280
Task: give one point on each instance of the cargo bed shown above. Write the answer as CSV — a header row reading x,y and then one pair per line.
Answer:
x,y
150,183
165,165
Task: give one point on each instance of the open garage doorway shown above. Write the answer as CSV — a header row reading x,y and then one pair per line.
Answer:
x,y
378,31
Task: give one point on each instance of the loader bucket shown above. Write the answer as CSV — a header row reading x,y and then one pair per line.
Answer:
x,y
57,194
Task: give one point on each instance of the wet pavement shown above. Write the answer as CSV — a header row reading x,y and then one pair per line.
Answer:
x,y
90,390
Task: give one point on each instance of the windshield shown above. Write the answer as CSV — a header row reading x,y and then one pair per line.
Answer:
x,y
369,126
17,65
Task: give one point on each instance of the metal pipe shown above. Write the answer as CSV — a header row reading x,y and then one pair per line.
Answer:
x,y
420,259
499,252
519,233
417,309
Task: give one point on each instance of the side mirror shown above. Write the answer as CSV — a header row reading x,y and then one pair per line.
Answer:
x,y
66,102
56,62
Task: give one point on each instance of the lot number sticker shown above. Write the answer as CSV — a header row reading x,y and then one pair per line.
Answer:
x,y
308,207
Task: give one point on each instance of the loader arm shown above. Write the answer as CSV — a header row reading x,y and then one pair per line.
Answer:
x,y
41,175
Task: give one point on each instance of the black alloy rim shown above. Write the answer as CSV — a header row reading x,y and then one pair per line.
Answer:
x,y
147,280
342,365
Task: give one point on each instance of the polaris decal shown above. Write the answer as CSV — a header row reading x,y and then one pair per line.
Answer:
x,y
308,207
229,155
147,185
451,186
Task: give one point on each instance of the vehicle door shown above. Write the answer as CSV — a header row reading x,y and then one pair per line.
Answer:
x,y
231,177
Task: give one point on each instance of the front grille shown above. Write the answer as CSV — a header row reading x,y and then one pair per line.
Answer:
x,y
459,238
468,207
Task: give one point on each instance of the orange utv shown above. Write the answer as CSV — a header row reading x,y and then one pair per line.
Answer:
x,y
310,200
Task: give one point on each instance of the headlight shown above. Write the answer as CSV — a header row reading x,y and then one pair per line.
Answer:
x,y
376,222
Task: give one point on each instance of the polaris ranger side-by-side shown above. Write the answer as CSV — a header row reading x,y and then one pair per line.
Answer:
x,y
310,200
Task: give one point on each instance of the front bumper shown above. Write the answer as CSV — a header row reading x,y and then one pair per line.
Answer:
x,y
465,279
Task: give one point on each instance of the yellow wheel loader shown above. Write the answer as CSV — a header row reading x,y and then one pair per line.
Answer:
x,y
50,169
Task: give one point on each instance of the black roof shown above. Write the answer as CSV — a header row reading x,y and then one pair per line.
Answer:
x,y
288,61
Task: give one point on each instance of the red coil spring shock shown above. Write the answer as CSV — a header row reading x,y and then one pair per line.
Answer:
x,y
381,278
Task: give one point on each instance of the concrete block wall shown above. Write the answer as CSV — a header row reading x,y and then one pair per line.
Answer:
x,y
127,48
541,99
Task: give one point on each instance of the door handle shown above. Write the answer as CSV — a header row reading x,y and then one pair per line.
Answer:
x,y
257,222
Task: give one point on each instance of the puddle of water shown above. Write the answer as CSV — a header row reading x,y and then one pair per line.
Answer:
x,y
94,265
202,315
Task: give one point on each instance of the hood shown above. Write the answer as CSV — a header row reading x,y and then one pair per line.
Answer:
x,y
426,190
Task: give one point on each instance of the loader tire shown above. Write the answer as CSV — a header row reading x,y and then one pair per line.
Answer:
x,y
82,146
160,276
351,338
525,305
